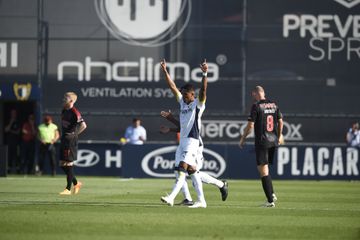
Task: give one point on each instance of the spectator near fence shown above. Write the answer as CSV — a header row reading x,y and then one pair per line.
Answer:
x,y
12,130
353,135
28,145
135,134
48,135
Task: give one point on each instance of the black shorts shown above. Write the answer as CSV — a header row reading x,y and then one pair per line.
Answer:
x,y
68,148
264,155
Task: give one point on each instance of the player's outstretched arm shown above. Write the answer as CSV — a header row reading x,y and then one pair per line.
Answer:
x,y
203,89
169,81
168,116
280,129
247,131
165,129
81,128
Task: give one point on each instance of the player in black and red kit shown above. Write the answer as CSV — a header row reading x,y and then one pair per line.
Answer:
x,y
72,125
266,117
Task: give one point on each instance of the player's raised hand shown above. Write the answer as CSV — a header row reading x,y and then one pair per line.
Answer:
x,y
165,114
170,117
204,66
163,65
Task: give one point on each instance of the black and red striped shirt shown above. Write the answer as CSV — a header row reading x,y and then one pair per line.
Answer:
x,y
265,114
70,119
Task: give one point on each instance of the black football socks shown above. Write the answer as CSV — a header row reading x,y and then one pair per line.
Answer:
x,y
268,187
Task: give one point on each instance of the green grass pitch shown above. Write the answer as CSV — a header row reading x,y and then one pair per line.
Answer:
x,y
115,208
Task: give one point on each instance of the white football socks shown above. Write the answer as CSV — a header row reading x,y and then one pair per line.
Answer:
x,y
185,188
179,183
206,178
196,179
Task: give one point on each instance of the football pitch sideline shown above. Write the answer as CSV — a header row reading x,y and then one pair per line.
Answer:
x,y
115,208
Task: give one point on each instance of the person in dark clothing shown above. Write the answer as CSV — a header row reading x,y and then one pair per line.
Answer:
x,y
72,125
266,118
12,131
28,145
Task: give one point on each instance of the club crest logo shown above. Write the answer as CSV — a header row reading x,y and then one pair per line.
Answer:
x,y
348,3
148,23
22,91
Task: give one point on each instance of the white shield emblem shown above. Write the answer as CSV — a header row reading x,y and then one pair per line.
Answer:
x,y
148,23
22,91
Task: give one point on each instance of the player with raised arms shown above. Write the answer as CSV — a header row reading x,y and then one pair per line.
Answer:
x,y
191,110
205,178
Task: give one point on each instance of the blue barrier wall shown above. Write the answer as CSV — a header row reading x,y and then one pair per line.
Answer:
x,y
222,161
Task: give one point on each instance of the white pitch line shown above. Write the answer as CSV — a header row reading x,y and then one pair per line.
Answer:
x,y
125,179
163,205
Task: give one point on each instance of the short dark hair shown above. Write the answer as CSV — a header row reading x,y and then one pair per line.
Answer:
x,y
187,88
136,119
47,119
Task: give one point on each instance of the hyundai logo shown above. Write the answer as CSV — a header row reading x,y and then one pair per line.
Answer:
x,y
86,158
161,162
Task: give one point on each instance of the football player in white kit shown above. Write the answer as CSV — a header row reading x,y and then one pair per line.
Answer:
x,y
206,178
191,110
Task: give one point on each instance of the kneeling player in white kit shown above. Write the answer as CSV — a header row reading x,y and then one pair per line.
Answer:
x,y
206,178
191,110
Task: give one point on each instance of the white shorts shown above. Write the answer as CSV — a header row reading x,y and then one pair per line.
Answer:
x,y
187,151
200,158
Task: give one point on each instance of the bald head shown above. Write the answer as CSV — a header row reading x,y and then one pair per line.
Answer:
x,y
258,93
259,89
